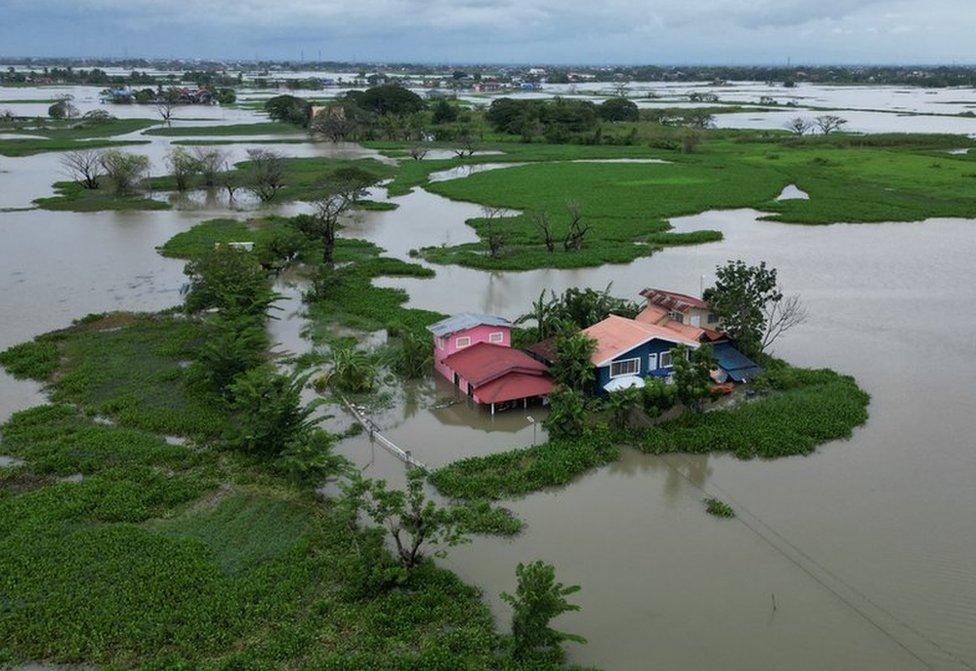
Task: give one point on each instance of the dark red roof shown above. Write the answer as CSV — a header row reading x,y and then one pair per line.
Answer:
x,y
672,300
483,362
513,386
545,349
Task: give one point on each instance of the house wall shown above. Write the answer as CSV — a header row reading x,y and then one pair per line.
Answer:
x,y
642,353
476,335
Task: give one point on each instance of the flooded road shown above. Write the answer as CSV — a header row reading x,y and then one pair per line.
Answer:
x,y
859,556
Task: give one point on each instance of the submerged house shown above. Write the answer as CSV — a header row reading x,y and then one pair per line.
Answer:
x,y
628,350
474,352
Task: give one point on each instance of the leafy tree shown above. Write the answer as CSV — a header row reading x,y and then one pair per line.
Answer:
x,y
232,346
417,525
352,370
266,173
740,297
269,414
539,599
444,112
657,396
311,459
618,109
567,413
336,199
230,280
125,171
389,99
622,403
183,165
62,109
211,161
288,109
692,375
413,357
573,363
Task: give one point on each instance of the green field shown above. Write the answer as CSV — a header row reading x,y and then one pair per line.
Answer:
x,y
121,549
627,205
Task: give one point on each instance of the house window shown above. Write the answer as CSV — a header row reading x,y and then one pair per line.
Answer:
x,y
712,318
676,316
463,341
667,360
440,343
625,367
652,361
496,337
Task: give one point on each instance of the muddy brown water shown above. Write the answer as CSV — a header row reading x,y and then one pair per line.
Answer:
x,y
860,556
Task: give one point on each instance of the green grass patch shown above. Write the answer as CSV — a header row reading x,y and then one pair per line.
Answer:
x,y
522,471
74,197
347,296
804,409
718,508
132,368
242,530
56,439
850,178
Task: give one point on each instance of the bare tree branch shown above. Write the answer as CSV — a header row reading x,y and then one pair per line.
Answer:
x,y
781,316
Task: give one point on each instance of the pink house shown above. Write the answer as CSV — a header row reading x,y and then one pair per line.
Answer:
x,y
460,331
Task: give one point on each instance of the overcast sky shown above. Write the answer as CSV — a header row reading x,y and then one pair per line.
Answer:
x,y
499,31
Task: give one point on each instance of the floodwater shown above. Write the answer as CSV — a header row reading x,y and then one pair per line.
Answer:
x,y
859,556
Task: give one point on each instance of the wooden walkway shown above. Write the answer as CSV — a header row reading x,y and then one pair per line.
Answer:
x,y
376,436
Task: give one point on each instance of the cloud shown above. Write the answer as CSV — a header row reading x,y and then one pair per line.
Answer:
x,y
493,30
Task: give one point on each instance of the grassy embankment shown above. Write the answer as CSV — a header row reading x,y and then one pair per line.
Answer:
x,y
849,179
163,555
804,408
302,177
66,135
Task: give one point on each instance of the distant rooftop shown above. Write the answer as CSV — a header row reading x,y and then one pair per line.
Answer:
x,y
672,300
465,320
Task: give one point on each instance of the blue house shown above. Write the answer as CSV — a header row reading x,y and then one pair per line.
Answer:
x,y
627,351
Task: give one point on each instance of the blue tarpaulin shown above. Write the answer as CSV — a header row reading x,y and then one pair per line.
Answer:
x,y
736,365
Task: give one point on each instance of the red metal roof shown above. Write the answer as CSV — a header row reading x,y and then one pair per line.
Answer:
x,y
672,300
483,362
512,386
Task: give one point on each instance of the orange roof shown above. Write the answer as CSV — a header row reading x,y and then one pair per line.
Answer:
x,y
652,314
616,335
687,330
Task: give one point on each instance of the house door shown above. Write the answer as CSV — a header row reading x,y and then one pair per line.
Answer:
x,y
652,362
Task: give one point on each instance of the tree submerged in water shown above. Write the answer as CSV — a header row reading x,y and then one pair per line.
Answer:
x,y
539,599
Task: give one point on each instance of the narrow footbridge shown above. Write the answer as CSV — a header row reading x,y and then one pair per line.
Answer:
x,y
376,436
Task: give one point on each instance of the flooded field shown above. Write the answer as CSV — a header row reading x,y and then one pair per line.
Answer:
x,y
859,556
